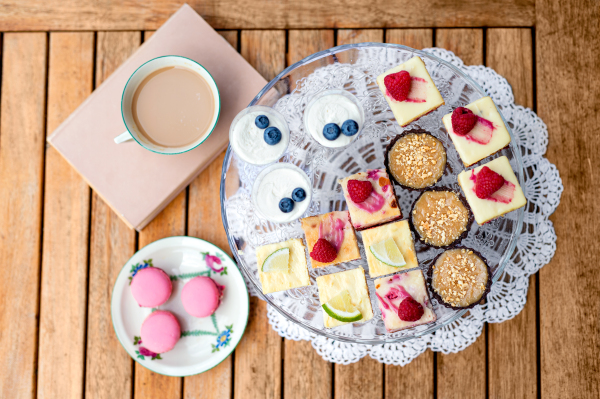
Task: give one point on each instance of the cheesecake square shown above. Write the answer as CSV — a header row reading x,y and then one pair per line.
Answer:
x,y
355,282
336,228
392,290
381,205
488,209
488,136
423,97
400,232
280,281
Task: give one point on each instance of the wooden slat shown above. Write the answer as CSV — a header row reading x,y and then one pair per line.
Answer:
x,y
367,369
258,355
109,369
568,88
204,221
348,36
248,14
361,380
417,377
463,374
305,373
512,345
465,43
170,222
22,142
415,38
66,227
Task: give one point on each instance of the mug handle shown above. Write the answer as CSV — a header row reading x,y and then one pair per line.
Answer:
x,y
123,137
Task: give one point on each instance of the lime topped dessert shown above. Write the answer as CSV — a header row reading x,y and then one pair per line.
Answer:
x,y
340,307
387,252
278,261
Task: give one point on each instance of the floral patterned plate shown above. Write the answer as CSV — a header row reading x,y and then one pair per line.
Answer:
x,y
205,342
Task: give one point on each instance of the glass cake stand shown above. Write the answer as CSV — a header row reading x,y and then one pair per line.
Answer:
x,y
354,68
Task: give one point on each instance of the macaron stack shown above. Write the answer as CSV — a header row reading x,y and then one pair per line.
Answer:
x,y
151,287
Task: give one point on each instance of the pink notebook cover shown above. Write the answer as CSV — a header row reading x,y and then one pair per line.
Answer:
x,y
135,182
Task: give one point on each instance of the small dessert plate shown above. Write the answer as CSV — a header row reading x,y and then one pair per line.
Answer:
x,y
205,342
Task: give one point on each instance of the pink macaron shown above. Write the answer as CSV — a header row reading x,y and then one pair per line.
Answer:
x,y
201,296
160,331
151,287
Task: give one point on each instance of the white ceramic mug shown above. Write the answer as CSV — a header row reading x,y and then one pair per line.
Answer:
x,y
137,77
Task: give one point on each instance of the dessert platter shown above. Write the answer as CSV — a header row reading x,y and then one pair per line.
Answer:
x,y
372,193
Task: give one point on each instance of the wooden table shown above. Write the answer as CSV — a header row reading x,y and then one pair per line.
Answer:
x,y
62,247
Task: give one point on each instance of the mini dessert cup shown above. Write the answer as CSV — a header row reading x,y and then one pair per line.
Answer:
x,y
460,278
347,107
355,283
336,228
247,139
276,182
400,232
280,281
415,159
381,205
488,136
423,97
487,209
393,290
440,217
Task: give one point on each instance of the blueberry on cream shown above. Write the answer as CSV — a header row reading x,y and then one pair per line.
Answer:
x,y
261,122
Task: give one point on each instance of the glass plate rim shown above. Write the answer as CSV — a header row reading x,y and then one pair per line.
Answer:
x,y
332,52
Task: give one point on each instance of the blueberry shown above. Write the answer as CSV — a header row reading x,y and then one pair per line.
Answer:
x,y
286,205
261,122
331,131
272,135
299,194
349,128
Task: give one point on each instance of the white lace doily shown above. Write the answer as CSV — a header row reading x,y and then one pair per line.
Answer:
x,y
535,247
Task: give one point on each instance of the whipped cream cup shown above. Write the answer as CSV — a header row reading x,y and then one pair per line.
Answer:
x,y
276,182
247,140
333,106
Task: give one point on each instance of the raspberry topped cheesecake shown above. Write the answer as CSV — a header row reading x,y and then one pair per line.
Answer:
x,y
282,266
460,278
370,198
378,255
440,218
409,91
404,301
340,240
415,159
477,130
344,297
492,190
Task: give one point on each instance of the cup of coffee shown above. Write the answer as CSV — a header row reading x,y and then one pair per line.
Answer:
x,y
170,105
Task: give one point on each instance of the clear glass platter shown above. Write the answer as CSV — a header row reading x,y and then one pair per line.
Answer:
x,y
354,68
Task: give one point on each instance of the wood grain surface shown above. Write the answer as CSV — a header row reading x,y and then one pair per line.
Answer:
x,y
62,247
248,14
65,244
568,89
463,374
22,142
512,345
109,369
258,357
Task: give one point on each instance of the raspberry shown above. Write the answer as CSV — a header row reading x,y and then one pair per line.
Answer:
x,y
323,251
410,310
359,190
487,182
398,85
463,121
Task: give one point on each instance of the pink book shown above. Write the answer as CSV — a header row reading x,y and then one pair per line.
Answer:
x,y
136,183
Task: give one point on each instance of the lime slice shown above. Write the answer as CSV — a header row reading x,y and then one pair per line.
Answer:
x,y
387,252
278,261
340,308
